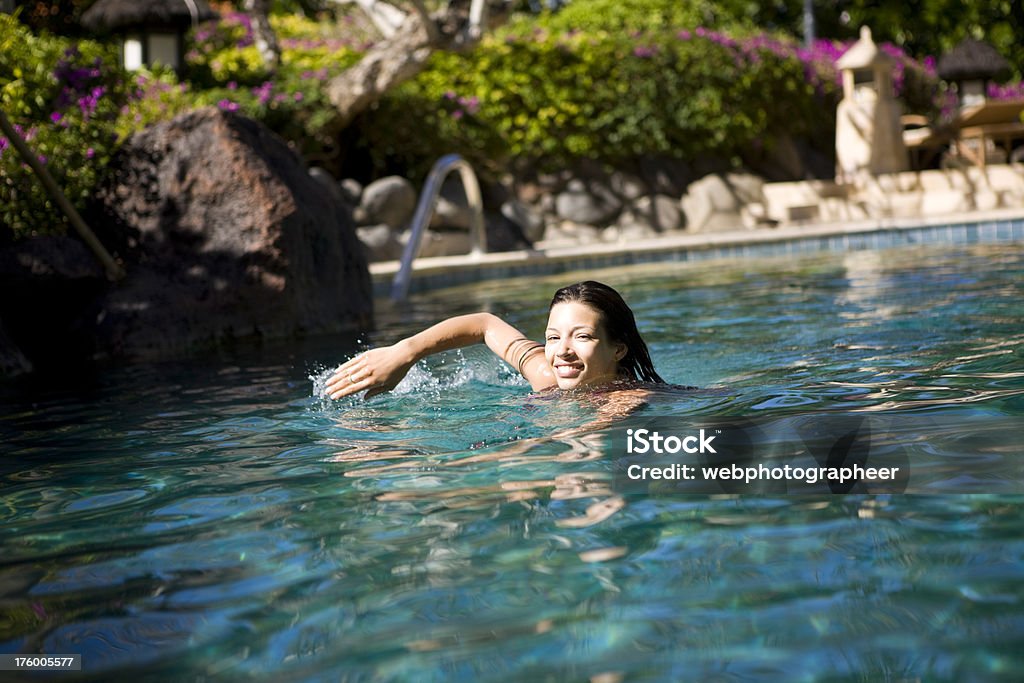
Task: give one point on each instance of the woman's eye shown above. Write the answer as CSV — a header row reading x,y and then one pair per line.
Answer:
x,y
583,336
551,339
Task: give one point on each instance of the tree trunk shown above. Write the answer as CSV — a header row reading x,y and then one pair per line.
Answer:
x,y
262,33
404,53
387,64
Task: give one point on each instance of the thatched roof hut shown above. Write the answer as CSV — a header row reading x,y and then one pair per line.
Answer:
x,y
973,60
113,15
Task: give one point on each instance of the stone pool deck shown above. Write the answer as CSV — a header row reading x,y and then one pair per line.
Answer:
x,y
1003,225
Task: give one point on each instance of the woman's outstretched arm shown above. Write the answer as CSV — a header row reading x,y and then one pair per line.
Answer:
x,y
379,370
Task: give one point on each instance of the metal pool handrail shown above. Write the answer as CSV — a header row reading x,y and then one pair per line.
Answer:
x,y
425,209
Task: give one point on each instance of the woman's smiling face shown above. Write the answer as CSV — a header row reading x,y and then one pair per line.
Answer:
x,y
578,348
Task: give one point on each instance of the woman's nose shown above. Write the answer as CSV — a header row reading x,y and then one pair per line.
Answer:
x,y
564,348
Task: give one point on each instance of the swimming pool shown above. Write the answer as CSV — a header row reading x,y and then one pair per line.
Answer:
x,y
216,518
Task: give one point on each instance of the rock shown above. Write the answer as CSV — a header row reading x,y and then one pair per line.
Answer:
x,y
547,205
659,212
530,222
529,193
714,202
351,190
451,210
627,186
566,233
327,182
49,322
380,242
225,235
553,183
625,234
587,203
504,234
450,216
437,243
49,260
12,361
671,176
747,186
390,200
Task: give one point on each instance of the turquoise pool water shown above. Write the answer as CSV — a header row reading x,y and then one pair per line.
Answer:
x,y
216,519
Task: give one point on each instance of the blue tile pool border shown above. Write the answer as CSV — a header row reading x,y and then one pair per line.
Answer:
x,y
444,272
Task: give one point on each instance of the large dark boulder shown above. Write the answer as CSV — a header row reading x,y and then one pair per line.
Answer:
x,y
50,284
224,234
13,361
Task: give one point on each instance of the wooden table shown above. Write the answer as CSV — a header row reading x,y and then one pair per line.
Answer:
x,y
998,121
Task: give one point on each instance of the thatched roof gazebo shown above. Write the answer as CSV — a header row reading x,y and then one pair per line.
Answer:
x,y
151,31
971,65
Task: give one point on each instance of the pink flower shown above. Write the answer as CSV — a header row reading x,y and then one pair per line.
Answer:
x,y
227,105
263,92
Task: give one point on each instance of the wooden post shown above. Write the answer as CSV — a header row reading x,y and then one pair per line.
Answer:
x,y
114,271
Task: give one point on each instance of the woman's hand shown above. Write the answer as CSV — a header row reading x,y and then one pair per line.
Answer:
x,y
374,371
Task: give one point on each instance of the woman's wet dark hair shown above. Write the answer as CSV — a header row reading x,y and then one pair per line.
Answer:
x,y
618,322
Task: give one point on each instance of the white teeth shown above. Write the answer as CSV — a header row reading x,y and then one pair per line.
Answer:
x,y
568,370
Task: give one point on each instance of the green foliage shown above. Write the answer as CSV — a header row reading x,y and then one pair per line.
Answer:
x,y
628,15
64,100
547,98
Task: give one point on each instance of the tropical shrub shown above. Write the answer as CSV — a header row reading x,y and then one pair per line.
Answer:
x,y
73,102
530,94
64,99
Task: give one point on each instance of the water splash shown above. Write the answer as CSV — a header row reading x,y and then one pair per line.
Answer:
x,y
430,378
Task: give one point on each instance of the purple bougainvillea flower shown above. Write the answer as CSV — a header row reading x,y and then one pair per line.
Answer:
x,y
263,92
227,105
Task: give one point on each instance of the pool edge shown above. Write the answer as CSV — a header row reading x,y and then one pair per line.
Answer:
x,y
448,271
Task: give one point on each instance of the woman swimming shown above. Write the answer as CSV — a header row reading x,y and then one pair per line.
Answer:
x,y
591,340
